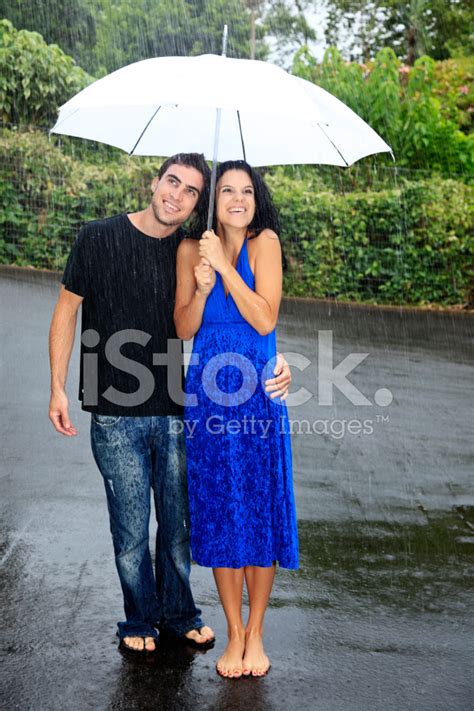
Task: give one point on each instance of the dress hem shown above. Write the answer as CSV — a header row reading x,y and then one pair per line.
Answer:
x,y
236,566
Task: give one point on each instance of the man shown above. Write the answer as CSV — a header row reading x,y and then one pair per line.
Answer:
x,y
122,271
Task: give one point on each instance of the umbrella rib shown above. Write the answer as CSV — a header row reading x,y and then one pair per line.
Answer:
x,y
241,136
141,135
58,122
334,145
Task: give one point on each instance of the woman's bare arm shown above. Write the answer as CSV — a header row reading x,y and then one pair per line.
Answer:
x,y
194,281
260,307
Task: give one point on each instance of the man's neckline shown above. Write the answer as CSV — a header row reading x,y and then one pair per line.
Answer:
x,y
144,234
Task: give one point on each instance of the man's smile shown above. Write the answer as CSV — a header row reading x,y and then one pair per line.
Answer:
x,y
169,207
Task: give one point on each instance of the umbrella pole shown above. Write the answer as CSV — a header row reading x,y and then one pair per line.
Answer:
x,y
212,189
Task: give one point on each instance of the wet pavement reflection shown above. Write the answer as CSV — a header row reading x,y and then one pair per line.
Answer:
x,y
379,616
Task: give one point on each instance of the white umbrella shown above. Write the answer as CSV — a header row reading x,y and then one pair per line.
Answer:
x,y
168,105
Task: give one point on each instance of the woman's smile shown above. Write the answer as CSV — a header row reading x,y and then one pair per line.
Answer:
x,y
235,198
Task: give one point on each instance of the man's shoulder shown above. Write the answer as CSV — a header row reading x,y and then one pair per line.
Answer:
x,y
105,226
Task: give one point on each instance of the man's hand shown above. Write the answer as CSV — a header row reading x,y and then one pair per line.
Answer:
x,y
59,414
279,386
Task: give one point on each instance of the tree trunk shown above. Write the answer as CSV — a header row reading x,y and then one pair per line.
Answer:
x,y
252,33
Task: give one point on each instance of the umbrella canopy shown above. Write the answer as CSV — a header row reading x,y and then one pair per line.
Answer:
x,y
168,105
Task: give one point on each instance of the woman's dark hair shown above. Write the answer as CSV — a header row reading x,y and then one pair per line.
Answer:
x,y
266,216
198,220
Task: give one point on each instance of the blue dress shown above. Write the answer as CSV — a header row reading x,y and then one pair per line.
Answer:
x,y
238,444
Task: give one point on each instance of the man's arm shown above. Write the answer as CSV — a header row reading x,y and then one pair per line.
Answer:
x,y
61,341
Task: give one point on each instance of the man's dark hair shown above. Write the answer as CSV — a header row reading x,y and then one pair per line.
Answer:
x,y
266,216
198,222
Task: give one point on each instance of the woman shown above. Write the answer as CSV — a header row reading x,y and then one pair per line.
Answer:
x,y
237,438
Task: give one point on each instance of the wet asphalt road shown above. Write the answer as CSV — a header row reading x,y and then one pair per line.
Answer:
x,y
379,616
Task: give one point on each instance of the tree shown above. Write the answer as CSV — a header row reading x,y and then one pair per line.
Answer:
x,y
285,20
412,28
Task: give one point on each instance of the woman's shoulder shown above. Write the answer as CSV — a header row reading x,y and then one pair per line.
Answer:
x,y
188,246
266,241
265,235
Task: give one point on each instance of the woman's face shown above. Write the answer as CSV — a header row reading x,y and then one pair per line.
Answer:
x,y
235,199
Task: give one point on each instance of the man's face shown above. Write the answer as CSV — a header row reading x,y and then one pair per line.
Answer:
x,y
175,194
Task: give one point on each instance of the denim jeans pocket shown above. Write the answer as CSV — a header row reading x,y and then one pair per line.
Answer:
x,y
106,420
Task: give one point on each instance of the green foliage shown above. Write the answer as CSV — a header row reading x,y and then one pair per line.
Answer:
x,y
402,104
146,28
35,78
454,88
70,24
407,243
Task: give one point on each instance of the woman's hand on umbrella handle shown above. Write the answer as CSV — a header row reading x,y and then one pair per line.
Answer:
x,y
205,277
210,248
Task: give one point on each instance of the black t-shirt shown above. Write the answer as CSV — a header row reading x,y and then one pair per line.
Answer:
x,y
128,281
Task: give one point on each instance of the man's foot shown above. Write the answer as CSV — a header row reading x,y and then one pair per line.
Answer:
x,y
201,637
139,644
230,664
255,661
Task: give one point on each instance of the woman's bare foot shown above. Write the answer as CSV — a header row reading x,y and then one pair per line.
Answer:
x,y
230,664
255,661
138,644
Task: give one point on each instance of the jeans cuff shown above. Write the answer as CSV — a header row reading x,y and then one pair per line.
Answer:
x,y
178,629
136,629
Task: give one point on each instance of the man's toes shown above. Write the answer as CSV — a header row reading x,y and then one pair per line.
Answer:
x,y
195,635
134,642
150,644
207,633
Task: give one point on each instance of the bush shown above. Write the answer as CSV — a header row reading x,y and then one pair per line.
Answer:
x,y
411,243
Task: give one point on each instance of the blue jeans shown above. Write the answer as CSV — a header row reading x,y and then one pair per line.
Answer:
x,y
134,455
